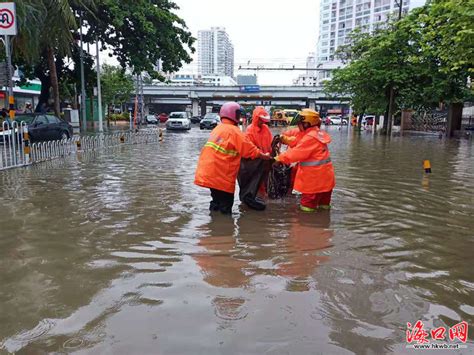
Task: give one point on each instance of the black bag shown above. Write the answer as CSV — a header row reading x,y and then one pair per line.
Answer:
x,y
279,179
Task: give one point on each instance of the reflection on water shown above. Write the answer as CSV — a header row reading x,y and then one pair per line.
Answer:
x,y
117,252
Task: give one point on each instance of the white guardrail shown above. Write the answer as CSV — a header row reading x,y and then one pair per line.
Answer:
x,y
16,150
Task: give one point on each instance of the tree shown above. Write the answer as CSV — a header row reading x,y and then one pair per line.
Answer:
x,y
138,33
117,86
421,60
45,39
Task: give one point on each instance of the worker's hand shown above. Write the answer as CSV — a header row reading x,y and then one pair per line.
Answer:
x,y
265,156
276,161
287,140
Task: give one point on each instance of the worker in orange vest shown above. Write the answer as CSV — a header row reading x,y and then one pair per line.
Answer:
x,y
219,162
315,178
260,135
258,131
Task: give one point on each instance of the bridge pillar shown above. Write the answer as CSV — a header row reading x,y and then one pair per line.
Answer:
x,y
195,107
312,104
203,108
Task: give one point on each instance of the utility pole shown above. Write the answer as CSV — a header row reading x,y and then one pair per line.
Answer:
x,y
11,99
400,10
142,101
99,93
391,105
83,85
8,30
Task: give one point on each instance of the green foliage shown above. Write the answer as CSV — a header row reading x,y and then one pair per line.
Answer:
x,y
117,86
426,57
138,33
141,32
118,117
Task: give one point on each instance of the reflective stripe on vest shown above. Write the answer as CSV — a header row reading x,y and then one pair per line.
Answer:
x,y
218,148
316,163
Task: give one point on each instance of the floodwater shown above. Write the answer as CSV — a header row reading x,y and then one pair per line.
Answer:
x,y
115,252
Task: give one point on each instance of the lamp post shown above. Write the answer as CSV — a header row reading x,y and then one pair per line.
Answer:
x,y
83,85
99,93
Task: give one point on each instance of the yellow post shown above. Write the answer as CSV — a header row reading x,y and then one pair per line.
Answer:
x,y
11,101
427,166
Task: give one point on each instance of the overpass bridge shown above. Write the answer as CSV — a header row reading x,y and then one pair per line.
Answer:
x,y
199,97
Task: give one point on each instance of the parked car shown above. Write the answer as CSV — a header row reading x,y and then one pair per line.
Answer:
x,y
179,121
335,120
210,121
163,117
42,127
151,119
196,119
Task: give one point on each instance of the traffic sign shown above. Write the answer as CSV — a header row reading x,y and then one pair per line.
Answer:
x,y
8,19
250,88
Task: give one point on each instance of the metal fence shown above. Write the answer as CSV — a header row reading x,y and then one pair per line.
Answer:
x,y
16,150
428,121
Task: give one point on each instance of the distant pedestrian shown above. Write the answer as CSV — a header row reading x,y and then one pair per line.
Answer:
x,y
28,108
4,116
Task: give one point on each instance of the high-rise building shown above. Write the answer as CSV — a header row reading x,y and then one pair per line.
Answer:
x,y
339,17
311,64
310,77
215,52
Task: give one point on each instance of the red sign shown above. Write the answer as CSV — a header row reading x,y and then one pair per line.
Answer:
x,y
6,18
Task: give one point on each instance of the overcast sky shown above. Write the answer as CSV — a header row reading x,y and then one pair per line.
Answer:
x,y
266,32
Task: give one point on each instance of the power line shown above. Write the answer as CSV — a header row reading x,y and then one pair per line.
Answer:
x,y
294,68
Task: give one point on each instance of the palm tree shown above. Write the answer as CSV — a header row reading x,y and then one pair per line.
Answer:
x,y
46,29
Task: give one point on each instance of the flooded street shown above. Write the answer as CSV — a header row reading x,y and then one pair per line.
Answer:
x,y
116,252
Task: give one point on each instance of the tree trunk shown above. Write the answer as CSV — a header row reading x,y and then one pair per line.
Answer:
x,y
387,110
54,81
391,110
359,119
454,121
44,94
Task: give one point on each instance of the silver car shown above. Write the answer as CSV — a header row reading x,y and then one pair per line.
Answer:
x,y
179,121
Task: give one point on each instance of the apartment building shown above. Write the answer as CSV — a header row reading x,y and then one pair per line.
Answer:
x,y
339,17
215,52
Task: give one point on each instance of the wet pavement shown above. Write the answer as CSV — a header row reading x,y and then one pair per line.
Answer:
x,y
116,252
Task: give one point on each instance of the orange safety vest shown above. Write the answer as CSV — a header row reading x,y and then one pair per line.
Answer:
x,y
315,170
219,162
261,137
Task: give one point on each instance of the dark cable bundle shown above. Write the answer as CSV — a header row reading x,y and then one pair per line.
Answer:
x,y
279,179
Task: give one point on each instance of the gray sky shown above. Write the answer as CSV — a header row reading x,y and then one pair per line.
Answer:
x,y
266,32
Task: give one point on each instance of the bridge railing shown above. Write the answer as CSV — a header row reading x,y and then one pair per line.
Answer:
x,y
15,150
